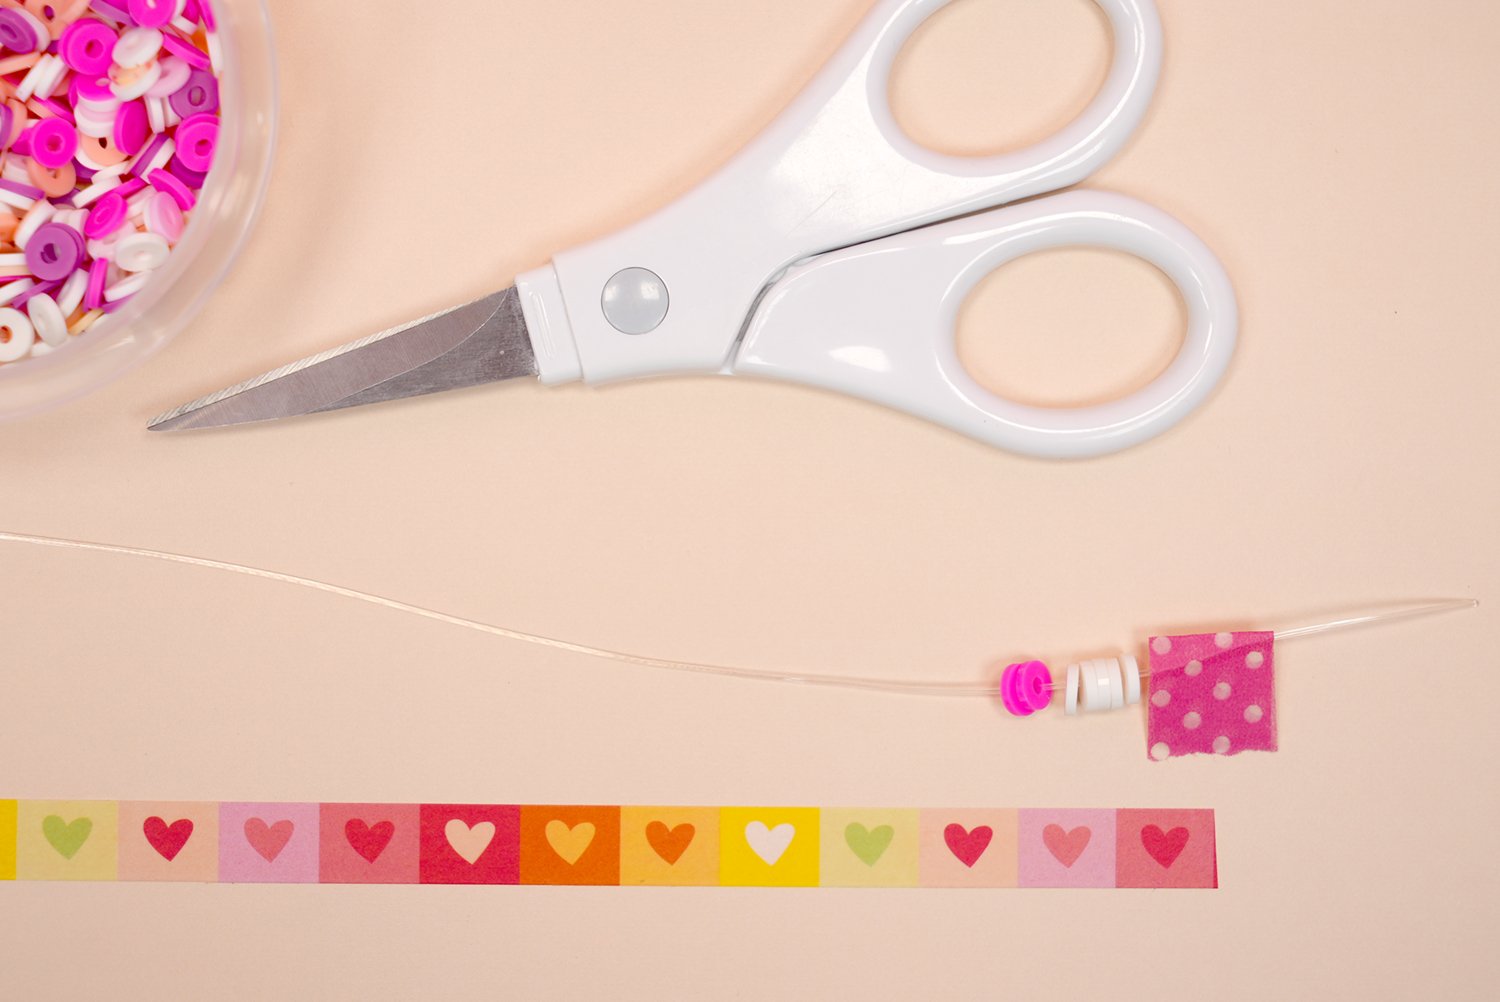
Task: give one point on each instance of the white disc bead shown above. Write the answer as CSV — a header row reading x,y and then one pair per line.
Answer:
x,y
1103,684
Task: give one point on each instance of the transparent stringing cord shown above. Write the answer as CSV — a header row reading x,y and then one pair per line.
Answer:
x,y
911,687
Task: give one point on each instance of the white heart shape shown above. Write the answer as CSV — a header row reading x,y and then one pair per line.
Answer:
x,y
469,841
769,843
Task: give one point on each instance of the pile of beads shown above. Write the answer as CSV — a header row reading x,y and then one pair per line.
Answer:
x,y
108,127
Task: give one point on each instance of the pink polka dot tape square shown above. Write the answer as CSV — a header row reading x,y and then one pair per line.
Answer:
x,y
1211,693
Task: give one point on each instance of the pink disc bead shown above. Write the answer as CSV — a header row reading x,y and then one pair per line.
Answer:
x,y
93,297
175,74
90,87
87,47
1035,685
197,138
164,217
53,143
107,216
186,50
1026,688
152,13
163,181
132,128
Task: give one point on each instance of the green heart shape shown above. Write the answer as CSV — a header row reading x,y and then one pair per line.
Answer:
x,y
869,845
67,839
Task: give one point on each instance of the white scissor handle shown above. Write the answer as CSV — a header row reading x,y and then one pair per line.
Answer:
x,y
878,321
834,169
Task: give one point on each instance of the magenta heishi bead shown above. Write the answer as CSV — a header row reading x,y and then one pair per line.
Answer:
x,y
53,143
87,46
163,181
132,128
186,50
90,87
151,13
107,216
93,297
197,138
1026,688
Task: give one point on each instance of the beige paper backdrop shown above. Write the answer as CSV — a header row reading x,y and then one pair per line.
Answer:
x,y
1340,159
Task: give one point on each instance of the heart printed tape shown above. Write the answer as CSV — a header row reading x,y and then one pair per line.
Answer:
x,y
339,843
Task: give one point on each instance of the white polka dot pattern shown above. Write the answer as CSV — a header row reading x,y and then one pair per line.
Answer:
x,y
1211,693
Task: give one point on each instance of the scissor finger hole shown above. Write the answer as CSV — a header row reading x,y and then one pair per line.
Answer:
x,y
982,77
1071,327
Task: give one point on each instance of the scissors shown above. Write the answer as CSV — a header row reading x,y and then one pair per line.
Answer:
x,y
818,255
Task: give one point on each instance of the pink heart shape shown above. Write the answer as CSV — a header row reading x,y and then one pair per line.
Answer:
x,y
268,840
967,845
1066,846
369,840
1164,847
167,839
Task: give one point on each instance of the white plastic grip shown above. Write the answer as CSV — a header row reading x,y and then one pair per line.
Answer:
x,y
834,169
879,321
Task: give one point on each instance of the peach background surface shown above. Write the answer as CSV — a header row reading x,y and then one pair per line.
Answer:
x,y
1341,162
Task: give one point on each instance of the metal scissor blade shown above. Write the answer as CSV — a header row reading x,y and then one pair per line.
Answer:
x,y
482,342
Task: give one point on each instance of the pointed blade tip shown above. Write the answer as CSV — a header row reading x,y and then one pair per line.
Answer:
x,y
259,398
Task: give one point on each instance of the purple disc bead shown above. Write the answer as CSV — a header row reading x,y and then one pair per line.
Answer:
x,y
54,251
16,34
192,178
39,289
199,95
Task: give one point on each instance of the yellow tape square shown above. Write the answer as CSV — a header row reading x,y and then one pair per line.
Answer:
x,y
870,847
67,839
7,840
769,846
672,846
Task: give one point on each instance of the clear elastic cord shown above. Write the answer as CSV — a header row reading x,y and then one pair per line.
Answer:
x,y
908,687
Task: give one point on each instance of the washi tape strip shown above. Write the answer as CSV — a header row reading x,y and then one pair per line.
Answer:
x,y
609,845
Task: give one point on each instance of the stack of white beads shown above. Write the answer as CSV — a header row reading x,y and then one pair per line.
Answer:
x,y
1102,684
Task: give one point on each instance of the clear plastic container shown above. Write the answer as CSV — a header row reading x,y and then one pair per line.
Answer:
x,y
226,211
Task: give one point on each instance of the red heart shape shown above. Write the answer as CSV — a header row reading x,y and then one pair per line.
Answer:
x,y
369,840
1066,846
1164,847
167,839
670,843
967,845
268,840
